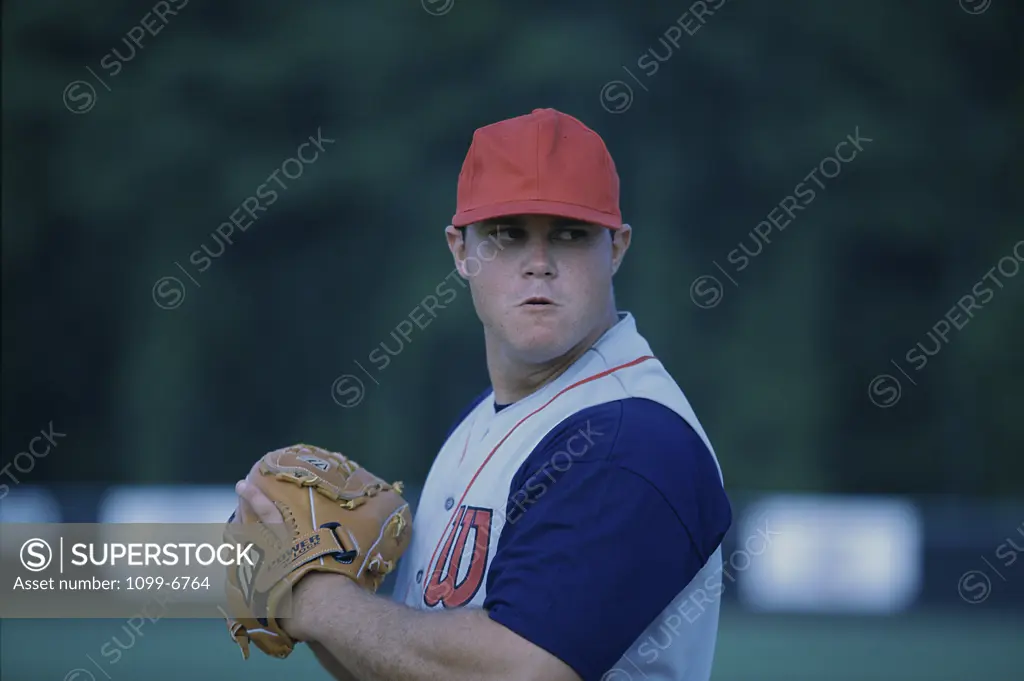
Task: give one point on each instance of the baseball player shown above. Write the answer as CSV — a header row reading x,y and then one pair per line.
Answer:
x,y
571,525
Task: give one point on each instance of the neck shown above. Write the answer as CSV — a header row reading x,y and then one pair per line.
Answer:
x,y
513,379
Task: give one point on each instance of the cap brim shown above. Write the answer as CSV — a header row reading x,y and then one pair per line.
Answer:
x,y
556,208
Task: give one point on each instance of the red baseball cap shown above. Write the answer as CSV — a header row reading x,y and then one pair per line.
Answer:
x,y
546,162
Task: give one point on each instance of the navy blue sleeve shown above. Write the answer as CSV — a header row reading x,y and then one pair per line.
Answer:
x,y
609,518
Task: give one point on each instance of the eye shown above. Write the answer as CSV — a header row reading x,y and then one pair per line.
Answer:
x,y
571,234
506,233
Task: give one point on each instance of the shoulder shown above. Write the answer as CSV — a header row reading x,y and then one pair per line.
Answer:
x,y
634,433
640,444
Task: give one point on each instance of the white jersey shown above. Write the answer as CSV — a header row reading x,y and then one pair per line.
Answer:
x,y
461,511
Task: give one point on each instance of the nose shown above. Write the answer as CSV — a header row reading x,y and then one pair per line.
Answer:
x,y
539,261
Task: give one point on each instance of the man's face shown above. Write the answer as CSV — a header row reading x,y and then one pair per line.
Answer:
x,y
540,284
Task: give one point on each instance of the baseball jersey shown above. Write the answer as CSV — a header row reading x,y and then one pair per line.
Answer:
x,y
587,518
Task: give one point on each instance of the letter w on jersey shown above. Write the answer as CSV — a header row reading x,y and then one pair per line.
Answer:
x,y
462,562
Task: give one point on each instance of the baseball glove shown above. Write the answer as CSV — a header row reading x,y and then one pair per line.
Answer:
x,y
338,517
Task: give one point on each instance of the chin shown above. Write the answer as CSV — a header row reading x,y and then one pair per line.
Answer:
x,y
540,345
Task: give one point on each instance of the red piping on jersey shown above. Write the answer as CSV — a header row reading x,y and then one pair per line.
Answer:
x,y
455,509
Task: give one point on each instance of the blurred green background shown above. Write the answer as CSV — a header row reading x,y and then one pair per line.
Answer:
x,y
122,158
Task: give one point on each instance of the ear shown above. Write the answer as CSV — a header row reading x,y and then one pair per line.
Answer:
x,y
457,245
621,239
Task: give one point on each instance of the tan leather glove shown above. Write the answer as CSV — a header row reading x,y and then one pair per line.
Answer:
x,y
338,517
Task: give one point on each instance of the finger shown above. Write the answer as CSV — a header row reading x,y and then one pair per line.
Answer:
x,y
266,512
242,510
264,508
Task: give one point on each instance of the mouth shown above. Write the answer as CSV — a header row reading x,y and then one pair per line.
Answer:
x,y
537,301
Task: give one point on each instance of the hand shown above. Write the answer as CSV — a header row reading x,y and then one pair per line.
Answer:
x,y
253,499
298,502
257,501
